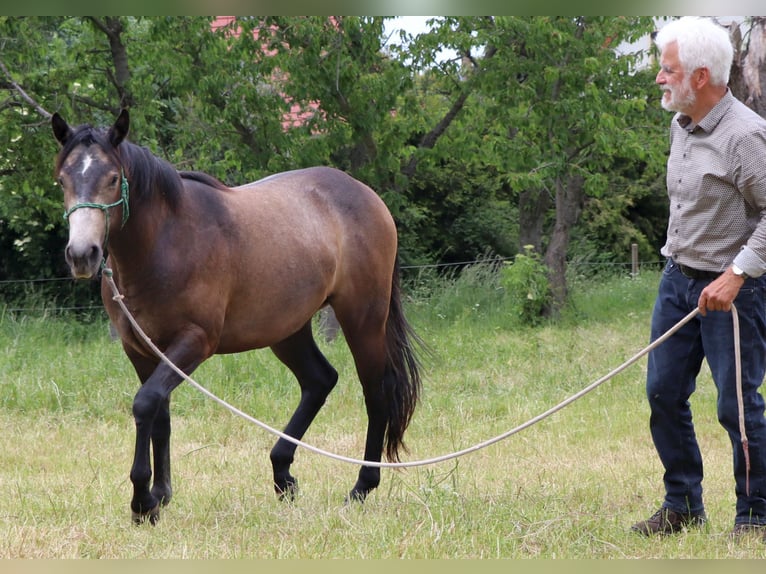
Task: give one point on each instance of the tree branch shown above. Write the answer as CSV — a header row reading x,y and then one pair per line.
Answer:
x,y
112,28
430,139
26,97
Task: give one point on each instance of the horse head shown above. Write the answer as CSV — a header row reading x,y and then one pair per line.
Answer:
x,y
90,173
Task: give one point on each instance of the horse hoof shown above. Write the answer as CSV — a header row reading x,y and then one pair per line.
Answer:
x,y
287,492
153,516
355,496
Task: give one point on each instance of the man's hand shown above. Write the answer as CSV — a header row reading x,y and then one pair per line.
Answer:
x,y
719,295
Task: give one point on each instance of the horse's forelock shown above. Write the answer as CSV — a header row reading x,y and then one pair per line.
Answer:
x,y
85,135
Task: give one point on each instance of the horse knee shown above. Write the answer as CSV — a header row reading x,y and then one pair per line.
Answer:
x,y
146,404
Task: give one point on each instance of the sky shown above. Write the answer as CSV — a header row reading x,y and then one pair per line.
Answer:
x,y
413,25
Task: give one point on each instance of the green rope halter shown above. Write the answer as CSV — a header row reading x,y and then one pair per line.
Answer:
x,y
124,196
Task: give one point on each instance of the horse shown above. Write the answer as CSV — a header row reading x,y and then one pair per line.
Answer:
x,y
208,269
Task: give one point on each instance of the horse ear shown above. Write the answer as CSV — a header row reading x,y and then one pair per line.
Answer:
x,y
120,129
61,129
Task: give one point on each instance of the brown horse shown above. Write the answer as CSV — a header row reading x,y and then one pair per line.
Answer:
x,y
206,269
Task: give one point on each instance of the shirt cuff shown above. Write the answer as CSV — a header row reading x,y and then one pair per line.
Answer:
x,y
749,262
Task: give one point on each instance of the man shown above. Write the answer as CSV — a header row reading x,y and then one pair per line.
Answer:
x,y
716,257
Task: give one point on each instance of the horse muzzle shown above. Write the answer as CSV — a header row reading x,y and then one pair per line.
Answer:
x,y
84,252
84,264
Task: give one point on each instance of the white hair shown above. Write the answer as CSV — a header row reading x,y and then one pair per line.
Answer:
x,y
701,44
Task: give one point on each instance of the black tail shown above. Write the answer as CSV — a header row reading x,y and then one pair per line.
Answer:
x,y
402,381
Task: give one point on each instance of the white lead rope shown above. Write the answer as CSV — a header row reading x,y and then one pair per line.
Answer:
x,y
740,400
107,273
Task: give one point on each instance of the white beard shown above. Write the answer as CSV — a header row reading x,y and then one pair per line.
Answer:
x,y
679,98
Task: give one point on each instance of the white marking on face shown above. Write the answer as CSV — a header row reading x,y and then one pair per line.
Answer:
x,y
86,164
87,228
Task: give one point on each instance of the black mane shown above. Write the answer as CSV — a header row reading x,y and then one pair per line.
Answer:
x,y
204,178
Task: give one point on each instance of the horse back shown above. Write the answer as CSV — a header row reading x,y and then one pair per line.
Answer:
x,y
323,210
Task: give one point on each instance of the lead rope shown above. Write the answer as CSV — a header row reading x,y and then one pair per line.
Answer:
x,y
740,400
119,298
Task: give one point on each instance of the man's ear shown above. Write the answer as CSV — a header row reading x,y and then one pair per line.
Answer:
x,y
120,129
700,78
61,129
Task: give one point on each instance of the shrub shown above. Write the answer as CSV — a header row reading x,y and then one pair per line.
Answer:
x,y
528,290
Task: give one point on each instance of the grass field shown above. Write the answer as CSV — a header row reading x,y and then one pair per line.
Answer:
x,y
568,487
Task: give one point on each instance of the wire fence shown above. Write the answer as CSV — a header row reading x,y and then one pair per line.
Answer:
x,y
583,264
49,295
16,294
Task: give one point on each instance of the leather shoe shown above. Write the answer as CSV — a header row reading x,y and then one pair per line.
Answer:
x,y
747,528
667,521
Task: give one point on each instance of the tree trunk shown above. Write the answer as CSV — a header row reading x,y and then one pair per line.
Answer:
x,y
533,208
570,196
748,71
112,27
430,139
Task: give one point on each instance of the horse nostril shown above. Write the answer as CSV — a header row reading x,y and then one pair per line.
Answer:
x,y
68,254
83,261
95,253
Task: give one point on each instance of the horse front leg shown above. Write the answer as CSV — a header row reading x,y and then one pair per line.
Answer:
x,y
161,488
143,504
147,405
151,411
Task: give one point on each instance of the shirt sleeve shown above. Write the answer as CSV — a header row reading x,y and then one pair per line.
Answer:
x,y
750,176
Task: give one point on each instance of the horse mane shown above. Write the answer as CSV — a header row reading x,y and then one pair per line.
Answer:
x,y
204,178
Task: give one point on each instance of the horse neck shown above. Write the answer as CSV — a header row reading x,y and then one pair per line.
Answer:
x,y
151,191
129,245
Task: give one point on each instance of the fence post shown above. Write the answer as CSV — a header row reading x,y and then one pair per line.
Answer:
x,y
633,260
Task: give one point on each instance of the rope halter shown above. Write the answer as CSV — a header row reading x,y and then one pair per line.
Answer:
x,y
124,200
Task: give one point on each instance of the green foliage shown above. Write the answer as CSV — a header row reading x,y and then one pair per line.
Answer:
x,y
452,145
527,287
470,294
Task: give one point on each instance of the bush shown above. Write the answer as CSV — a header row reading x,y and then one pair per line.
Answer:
x,y
528,290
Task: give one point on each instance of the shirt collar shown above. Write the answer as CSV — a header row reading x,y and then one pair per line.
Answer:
x,y
713,117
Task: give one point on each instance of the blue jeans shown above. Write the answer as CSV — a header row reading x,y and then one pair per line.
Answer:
x,y
671,379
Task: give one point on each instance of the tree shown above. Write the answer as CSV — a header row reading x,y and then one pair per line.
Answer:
x,y
560,108
538,132
748,75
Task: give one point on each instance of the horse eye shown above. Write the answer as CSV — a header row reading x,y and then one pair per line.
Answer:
x,y
115,179
60,181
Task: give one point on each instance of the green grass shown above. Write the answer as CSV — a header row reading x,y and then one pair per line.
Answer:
x,y
568,487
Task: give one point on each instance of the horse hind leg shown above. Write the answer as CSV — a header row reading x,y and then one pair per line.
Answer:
x,y
389,370
367,344
317,378
370,365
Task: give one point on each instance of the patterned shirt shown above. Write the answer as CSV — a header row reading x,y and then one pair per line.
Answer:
x,y
716,183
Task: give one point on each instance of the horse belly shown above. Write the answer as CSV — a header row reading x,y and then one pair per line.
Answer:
x,y
267,316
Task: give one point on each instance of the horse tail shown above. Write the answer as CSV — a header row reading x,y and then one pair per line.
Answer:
x,y
402,380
